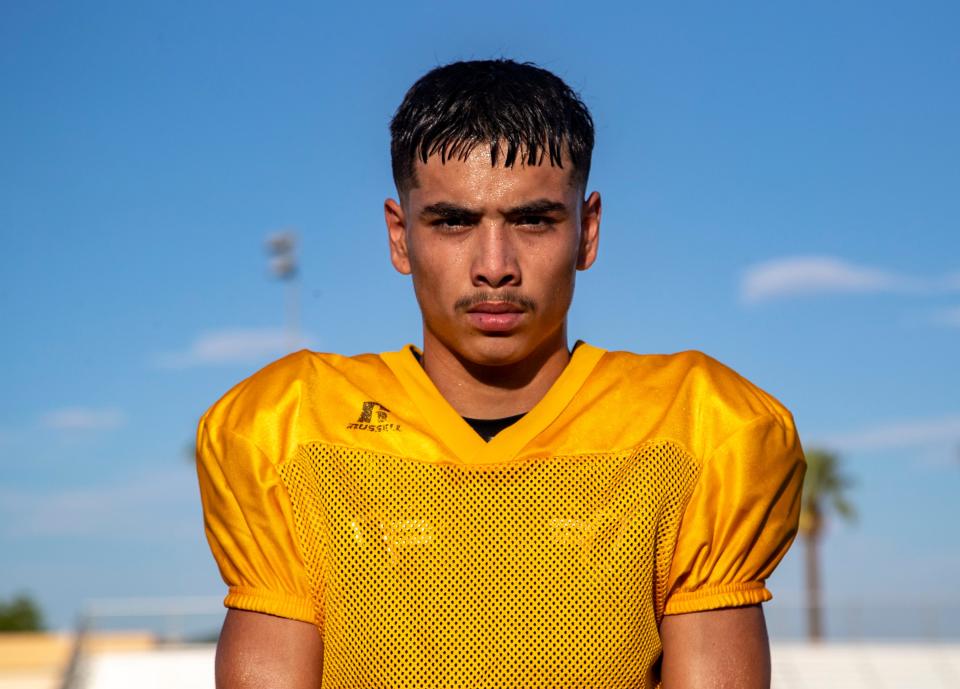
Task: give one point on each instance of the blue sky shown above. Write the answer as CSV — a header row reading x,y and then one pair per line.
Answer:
x,y
780,189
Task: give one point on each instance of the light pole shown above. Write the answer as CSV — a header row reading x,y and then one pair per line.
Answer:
x,y
282,248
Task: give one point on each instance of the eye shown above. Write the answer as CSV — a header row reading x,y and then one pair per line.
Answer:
x,y
539,222
452,223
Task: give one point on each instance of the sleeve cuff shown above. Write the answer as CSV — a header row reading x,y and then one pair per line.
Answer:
x,y
714,597
271,603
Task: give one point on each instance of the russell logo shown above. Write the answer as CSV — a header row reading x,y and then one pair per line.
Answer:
x,y
374,417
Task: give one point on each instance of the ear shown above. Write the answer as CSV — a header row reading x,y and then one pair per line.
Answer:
x,y
589,231
397,235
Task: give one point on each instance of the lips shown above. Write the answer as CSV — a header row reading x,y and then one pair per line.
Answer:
x,y
495,316
495,307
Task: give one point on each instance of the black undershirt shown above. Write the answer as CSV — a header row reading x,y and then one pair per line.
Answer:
x,y
487,428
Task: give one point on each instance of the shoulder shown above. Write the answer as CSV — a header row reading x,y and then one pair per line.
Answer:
x,y
699,378
713,400
274,395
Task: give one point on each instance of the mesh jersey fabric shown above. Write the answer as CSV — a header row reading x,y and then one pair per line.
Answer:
x,y
346,492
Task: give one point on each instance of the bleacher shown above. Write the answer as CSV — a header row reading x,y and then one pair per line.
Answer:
x,y
178,651
888,665
122,665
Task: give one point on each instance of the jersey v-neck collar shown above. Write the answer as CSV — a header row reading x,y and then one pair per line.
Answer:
x,y
456,434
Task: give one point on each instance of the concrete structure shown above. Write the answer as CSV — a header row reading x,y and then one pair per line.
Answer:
x,y
39,660
866,665
121,661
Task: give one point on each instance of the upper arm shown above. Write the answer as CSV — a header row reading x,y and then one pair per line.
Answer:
x,y
249,521
259,651
716,649
740,519
269,639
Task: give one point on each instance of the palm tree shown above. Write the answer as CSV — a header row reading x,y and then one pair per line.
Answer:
x,y
824,492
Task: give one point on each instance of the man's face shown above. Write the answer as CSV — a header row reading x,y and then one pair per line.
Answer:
x,y
493,252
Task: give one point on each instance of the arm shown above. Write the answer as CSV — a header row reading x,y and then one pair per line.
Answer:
x,y
258,651
716,649
249,524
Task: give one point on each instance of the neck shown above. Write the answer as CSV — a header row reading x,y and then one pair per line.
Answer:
x,y
489,392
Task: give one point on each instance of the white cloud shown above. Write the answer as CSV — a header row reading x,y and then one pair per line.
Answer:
x,y
146,504
897,435
807,275
231,346
82,419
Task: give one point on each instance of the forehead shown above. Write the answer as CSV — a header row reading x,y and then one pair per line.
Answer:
x,y
473,181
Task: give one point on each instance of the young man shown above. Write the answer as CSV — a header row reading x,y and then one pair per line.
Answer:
x,y
496,509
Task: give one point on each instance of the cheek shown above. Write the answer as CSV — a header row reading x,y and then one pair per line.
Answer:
x,y
437,275
559,274
563,290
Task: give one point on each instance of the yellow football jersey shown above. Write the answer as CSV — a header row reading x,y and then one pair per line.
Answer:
x,y
347,492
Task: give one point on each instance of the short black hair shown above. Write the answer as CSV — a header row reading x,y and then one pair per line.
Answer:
x,y
518,109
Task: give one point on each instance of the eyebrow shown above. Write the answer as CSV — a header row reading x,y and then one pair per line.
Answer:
x,y
445,209
538,207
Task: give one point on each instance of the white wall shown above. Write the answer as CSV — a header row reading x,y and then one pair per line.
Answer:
x,y
795,666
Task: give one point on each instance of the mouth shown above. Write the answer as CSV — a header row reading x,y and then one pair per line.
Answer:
x,y
495,317
495,307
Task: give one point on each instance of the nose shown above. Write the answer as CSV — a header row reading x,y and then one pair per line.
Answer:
x,y
495,261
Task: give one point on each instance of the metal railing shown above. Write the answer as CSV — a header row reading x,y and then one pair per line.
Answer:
x,y
171,621
870,643
869,618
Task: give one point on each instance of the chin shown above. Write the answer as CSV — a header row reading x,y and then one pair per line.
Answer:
x,y
496,350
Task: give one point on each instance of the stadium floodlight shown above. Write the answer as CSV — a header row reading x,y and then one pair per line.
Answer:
x,y
282,248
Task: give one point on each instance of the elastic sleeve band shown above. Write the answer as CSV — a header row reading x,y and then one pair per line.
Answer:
x,y
714,597
259,600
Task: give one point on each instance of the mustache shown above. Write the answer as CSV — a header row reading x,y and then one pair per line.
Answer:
x,y
507,296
